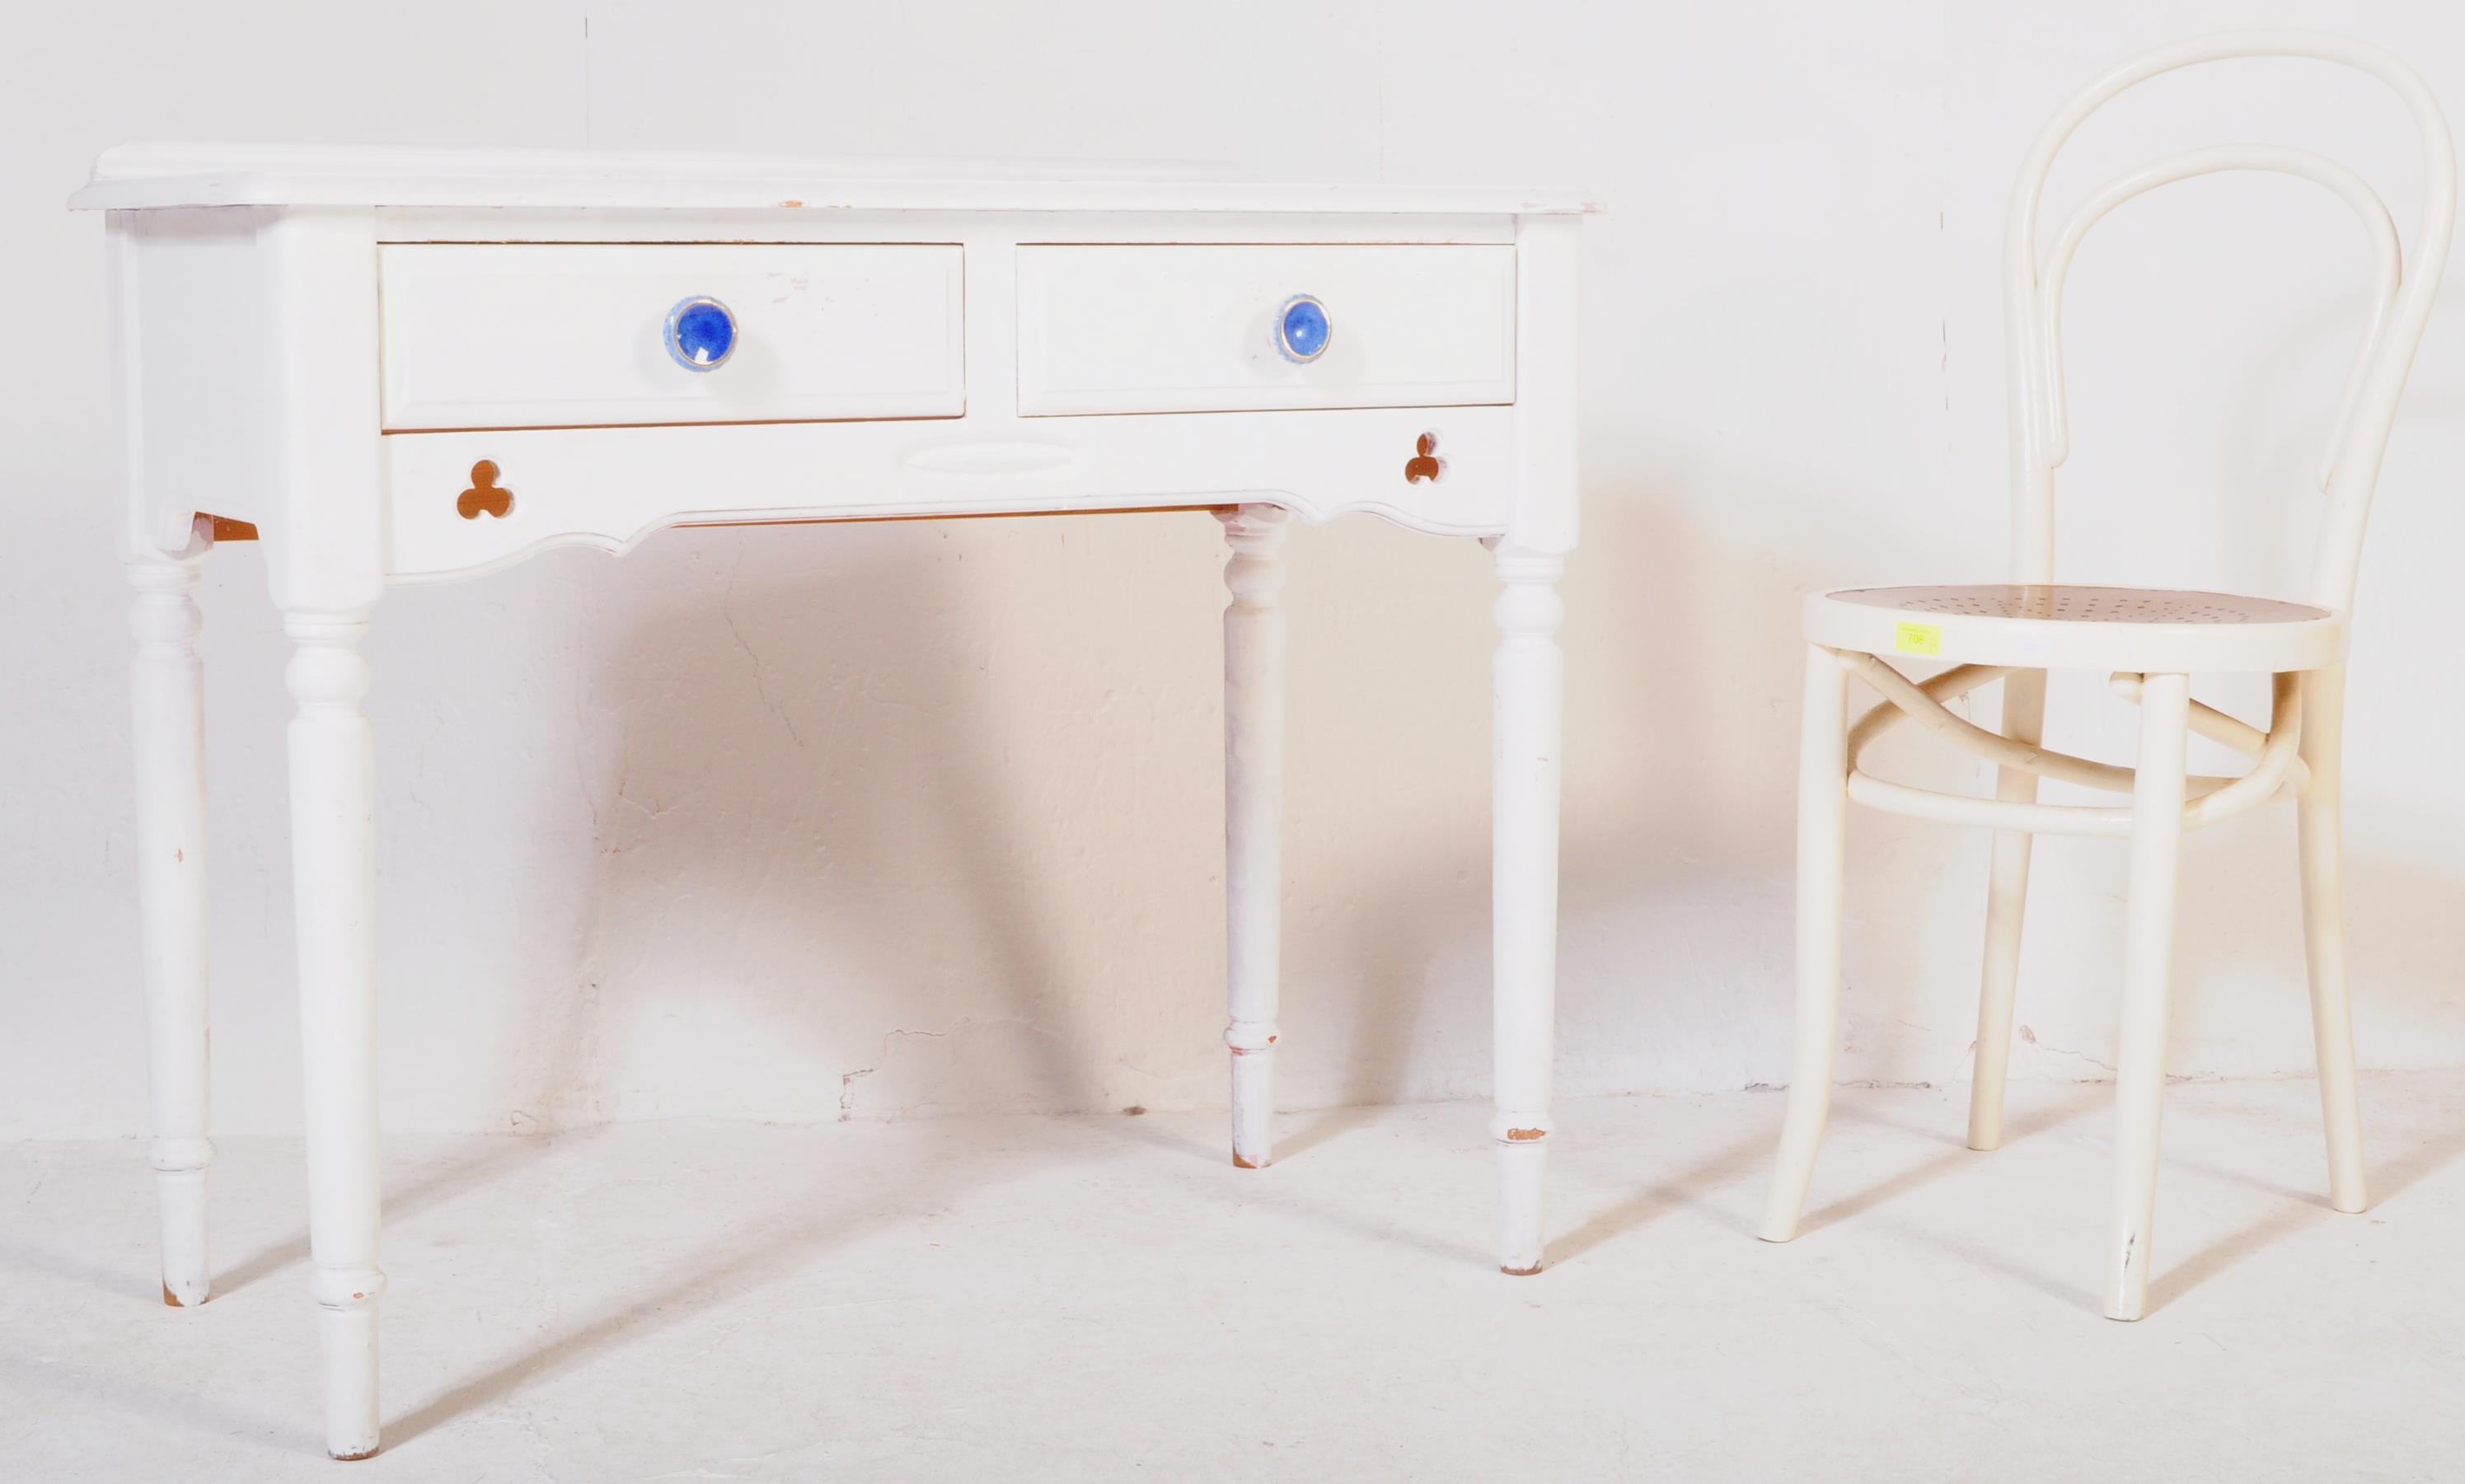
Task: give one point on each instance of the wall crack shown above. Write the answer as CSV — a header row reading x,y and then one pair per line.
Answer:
x,y
850,1079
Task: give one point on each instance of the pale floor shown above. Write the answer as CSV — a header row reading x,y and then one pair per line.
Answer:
x,y
1096,1298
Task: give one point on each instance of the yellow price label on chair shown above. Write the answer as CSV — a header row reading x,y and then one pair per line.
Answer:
x,y
1918,638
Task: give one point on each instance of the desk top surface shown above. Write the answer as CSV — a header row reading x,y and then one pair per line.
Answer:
x,y
145,177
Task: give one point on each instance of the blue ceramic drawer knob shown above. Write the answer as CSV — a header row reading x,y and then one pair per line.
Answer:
x,y
1302,329
700,333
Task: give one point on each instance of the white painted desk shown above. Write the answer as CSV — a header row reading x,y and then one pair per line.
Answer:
x,y
413,366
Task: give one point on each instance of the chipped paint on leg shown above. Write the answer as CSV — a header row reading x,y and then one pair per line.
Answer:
x,y
2127,1300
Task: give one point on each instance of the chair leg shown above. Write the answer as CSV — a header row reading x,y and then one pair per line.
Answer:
x,y
1254,800
333,847
2147,987
169,740
2320,814
2007,904
1822,830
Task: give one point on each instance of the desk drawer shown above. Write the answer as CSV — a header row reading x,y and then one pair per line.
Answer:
x,y
1193,329
560,336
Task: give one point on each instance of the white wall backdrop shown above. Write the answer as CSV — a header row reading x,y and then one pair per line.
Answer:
x,y
810,823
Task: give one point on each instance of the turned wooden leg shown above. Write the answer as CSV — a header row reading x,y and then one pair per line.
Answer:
x,y
1822,832
2007,904
1253,800
2320,812
169,740
2147,987
1529,682
333,842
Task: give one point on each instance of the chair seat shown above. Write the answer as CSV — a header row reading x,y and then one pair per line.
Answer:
x,y
2056,626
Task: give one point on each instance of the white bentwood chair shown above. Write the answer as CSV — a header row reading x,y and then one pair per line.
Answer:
x,y
2152,640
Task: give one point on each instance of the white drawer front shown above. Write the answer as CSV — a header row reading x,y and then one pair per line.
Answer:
x,y
1189,328
559,336
464,502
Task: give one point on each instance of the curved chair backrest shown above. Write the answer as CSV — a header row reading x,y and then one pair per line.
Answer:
x,y
2401,303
